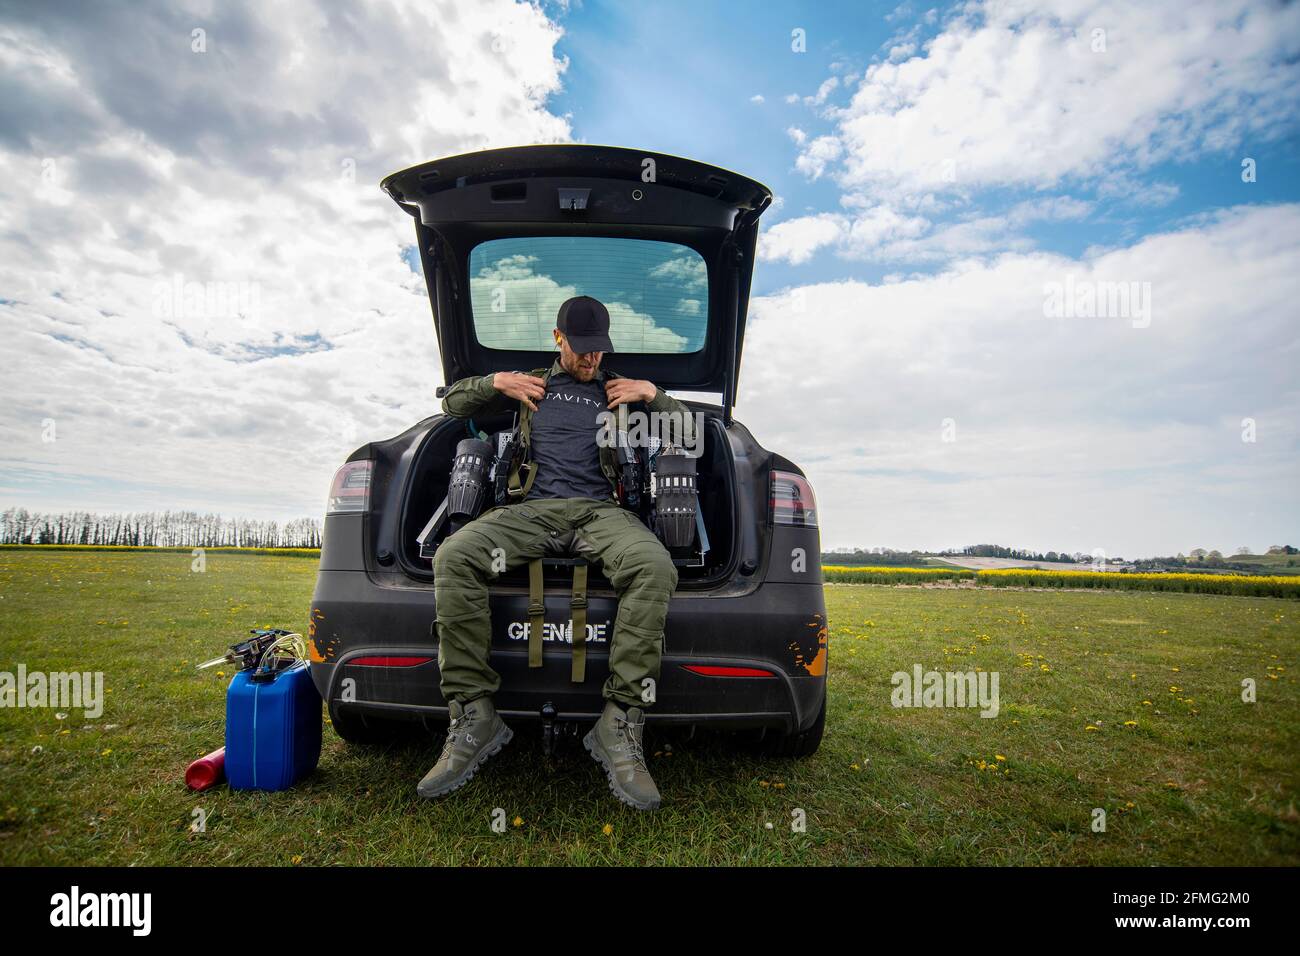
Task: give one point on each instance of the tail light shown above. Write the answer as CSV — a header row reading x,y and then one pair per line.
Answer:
x,y
385,661
792,500
350,490
713,670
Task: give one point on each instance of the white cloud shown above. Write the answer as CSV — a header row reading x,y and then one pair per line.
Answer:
x,y
882,233
827,87
532,299
818,155
1071,433
688,271
1085,94
249,171
1017,94
796,240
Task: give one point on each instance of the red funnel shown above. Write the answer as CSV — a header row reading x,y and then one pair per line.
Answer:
x,y
206,771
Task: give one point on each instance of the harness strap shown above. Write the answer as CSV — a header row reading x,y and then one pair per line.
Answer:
x,y
518,491
578,604
536,612
518,488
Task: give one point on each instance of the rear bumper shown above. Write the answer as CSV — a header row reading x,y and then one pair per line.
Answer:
x,y
779,629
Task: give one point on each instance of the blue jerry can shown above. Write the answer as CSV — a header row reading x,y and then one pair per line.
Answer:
x,y
273,728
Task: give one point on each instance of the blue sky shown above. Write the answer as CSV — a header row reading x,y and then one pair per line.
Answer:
x,y
682,81
941,173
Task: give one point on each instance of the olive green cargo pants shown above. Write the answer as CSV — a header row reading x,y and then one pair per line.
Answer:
x,y
631,557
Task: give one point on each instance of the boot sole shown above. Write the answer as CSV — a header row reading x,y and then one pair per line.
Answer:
x,y
490,750
593,748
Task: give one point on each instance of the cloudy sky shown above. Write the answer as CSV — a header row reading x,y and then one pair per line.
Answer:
x,y
937,335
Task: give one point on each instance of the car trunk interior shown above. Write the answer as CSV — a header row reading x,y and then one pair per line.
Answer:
x,y
505,235
430,475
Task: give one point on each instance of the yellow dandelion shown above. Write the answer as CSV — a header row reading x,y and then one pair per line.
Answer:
x,y
518,821
607,829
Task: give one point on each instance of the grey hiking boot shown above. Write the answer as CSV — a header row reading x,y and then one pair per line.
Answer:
x,y
475,733
615,742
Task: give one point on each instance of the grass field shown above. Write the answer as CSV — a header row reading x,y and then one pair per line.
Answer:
x,y
1197,777
1269,563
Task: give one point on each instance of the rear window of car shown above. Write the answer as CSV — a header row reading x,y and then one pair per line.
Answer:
x,y
656,292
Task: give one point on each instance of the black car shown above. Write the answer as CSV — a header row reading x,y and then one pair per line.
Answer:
x,y
504,236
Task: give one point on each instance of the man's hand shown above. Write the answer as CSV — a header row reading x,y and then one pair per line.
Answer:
x,y
620,391
525,388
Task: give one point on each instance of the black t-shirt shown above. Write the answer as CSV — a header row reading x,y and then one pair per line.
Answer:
x,y
563,441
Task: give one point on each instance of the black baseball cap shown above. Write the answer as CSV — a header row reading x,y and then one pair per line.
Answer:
x,y
585,323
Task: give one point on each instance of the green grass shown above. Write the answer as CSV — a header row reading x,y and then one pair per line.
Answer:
x,y
1202,778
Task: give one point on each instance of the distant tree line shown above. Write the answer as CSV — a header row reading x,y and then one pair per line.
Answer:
x,y
886,557
157,529
1018,554
1198,559
875,557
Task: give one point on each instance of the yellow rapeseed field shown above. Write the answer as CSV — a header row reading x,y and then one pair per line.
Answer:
x,y
1248,585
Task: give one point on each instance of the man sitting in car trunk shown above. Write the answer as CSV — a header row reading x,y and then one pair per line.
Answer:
x,y
573,489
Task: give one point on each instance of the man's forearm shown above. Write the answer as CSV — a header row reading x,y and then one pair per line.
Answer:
x,y
663,402
471,396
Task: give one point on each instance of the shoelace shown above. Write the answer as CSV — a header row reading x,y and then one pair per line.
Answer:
x,y
632,743
454,730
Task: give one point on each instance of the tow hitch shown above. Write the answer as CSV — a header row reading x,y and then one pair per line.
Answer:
x,y
551,731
